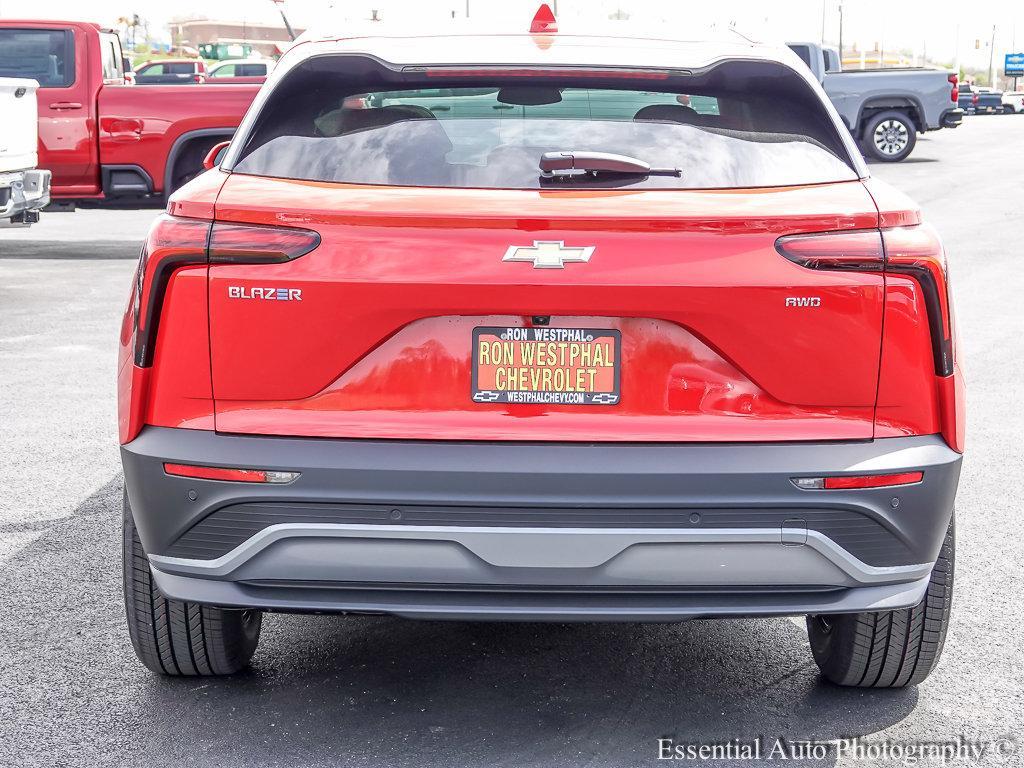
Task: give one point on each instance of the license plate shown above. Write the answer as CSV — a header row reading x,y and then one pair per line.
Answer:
x,y
547,366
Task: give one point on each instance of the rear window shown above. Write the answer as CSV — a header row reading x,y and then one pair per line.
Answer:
x,y
45,55
492,133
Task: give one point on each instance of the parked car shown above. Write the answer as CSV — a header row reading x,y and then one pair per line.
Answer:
x,y
104,140
642,365
24,188
171,72
885,109
1013,102
234,69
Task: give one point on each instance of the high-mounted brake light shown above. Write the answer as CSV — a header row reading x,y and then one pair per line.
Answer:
x,y
228,474
846,482
503,71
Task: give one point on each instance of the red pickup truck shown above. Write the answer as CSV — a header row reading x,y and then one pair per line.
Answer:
x,y
102,139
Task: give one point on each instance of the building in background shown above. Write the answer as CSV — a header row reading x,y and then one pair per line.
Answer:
x,y
265,39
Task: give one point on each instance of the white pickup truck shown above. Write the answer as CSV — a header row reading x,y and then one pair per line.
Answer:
x,y
24,189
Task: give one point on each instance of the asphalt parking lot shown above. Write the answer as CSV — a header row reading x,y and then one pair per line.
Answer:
x,y
371,691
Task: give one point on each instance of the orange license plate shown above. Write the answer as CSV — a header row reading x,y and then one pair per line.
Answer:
x,y
548,366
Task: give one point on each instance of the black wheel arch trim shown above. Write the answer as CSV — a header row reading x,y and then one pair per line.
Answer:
x,y
182,141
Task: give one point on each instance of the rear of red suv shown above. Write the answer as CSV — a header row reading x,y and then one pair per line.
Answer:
x,y
541,328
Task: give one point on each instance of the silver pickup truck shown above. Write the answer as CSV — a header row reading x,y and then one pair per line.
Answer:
x,y
885,109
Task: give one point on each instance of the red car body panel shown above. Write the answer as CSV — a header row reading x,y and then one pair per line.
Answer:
x,y
403,275
419,277
96,121
139,125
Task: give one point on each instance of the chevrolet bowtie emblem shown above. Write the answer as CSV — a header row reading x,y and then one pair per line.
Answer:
x,y
548,254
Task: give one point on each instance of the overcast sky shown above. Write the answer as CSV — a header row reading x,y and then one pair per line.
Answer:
x,y
916,24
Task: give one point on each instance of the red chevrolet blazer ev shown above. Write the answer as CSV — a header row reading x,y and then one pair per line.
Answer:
x,y
541,327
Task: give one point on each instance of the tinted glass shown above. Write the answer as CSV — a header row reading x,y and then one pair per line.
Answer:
x,y
38,54
251,70
186,68
494,137
804,52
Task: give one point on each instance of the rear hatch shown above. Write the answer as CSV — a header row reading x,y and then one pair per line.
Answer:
x,y
613,306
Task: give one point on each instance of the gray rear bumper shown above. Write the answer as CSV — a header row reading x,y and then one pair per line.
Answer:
x,y
533,531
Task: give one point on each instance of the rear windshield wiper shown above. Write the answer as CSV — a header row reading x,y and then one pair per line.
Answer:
x,y
571,164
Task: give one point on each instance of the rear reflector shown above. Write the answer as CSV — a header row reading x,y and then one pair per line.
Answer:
x,y
857,481
230,475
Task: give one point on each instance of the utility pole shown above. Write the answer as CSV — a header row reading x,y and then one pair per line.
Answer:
x,y
280,8
992,60
824,14
956,55
840,36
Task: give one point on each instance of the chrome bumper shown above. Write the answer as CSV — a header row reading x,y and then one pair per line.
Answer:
x,y
23,192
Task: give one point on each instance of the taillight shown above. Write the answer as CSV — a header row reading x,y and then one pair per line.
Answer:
x,y
859,250
917,253
230,474
847,482
954,95
912,251
258,244
975,98
176,242
173,242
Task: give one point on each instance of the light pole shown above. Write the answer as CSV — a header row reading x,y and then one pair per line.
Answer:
x,y
840,36
992,60
280,8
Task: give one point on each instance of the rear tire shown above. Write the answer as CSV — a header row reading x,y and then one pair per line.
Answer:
x,y
890,649
177,638
889,137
